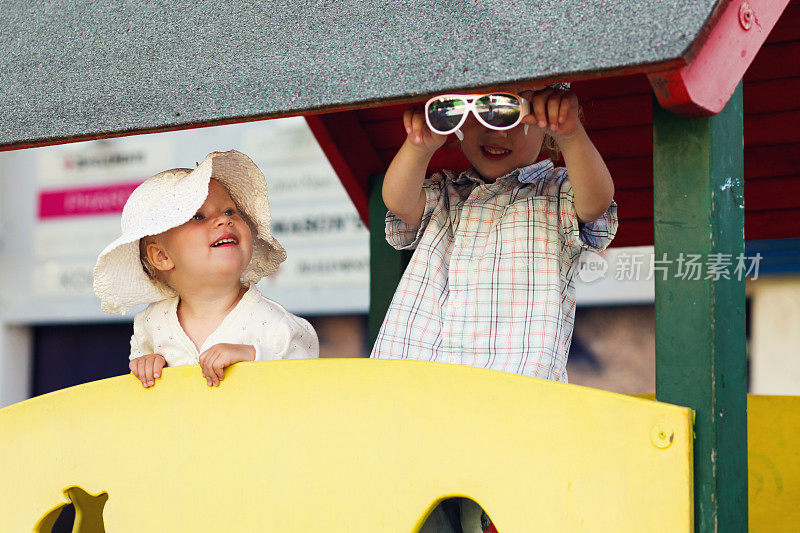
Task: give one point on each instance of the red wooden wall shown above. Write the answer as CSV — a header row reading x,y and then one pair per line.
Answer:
x,y
618,115
772,133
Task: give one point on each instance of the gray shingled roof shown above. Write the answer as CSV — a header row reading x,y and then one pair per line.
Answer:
x,y
81,67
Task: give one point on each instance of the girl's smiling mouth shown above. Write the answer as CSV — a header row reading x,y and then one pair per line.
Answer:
x,y
494,153
226,240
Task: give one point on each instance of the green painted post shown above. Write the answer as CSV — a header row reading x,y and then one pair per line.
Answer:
x,y
700,323
386,265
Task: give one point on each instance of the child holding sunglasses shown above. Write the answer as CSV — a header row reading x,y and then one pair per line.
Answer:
x,y
490,283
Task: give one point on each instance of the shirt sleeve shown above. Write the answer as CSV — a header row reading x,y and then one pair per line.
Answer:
x,y
135,351
292,338
595,235
139,344
402,236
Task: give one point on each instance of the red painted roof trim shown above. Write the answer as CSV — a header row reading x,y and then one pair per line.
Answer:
x,y
704,85
350,153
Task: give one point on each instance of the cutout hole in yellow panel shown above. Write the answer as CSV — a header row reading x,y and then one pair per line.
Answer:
x,y
453,513
84,513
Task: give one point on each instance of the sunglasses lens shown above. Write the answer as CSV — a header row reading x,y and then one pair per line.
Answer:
x,y
445,113
499,110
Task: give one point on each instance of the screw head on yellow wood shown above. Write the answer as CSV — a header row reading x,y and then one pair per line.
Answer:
x,y
662,434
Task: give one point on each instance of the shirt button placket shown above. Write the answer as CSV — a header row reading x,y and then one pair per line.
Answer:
x,y
457,304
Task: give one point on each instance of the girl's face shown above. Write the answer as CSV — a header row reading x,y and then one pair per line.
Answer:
x,y
496,153
214,246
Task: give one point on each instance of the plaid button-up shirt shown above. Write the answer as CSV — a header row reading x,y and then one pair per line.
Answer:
x,y
491,283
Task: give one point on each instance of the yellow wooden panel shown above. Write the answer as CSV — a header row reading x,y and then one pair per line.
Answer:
x,y
347,445
773,439
773,462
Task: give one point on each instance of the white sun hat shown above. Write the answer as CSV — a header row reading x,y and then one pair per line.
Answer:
x,y
168,200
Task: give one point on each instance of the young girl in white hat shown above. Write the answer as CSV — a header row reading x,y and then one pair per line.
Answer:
x,y
193,245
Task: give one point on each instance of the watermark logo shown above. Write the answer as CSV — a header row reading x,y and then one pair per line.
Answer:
x,y
683,266
591,266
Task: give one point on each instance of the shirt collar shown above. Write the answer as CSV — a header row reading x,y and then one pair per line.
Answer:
x,y
523,175
530,173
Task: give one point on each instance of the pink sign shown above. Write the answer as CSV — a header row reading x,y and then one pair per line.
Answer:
x,y
84,201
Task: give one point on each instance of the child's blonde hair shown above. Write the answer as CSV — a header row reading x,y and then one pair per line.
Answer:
x,y
549,144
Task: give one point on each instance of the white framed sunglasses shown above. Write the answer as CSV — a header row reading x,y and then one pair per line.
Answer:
x,y
446,113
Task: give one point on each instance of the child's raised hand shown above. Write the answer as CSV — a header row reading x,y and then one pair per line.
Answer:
x,y
553,110
215,359
419,134
147,368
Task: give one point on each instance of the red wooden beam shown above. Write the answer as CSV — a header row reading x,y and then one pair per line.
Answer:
x,y
350,152
703,86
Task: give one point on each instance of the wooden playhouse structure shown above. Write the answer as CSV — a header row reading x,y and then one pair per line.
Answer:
x,y
692,104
